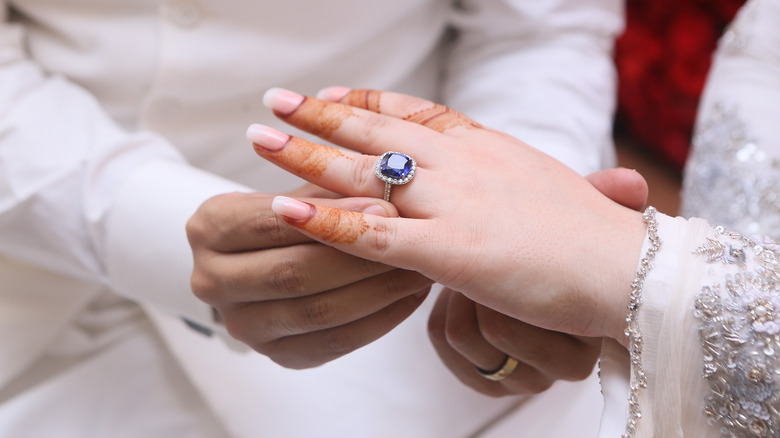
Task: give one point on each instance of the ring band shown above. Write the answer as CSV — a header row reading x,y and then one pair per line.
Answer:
x,y
502,372
394,168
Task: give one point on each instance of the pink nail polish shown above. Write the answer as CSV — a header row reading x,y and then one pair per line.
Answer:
x,y
292,209
333,94
267,138
282,101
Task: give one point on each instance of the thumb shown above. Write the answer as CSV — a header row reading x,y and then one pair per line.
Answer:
x,y
624,186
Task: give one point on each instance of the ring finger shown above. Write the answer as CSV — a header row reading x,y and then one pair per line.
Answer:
x,y
342,171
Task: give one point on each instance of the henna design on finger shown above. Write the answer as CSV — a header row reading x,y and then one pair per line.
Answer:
x,y
332,225
441,118
366,99
319,117
302,157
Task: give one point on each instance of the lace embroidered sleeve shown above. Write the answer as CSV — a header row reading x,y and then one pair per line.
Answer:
x,y
738,309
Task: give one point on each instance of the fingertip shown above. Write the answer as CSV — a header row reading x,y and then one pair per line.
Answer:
x,y
333,94
292,209
266,138
282,101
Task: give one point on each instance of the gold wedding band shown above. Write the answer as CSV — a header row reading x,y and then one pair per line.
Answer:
x,y
502,372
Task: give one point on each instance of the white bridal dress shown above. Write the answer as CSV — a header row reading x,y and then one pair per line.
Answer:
x,y
710,310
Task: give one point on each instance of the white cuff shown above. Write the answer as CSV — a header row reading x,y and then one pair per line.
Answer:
x,y
671,355
148,257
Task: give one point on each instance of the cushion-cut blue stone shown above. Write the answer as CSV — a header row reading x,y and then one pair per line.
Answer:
x,y
395,165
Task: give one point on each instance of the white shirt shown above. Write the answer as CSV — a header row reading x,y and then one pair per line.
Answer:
x,y
117,120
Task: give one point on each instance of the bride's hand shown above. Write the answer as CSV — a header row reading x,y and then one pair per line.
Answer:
x,y
470,337
485,214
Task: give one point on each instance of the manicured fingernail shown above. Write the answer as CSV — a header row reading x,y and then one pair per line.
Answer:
x,y
333,94
292,209
282,101
267,138
375,210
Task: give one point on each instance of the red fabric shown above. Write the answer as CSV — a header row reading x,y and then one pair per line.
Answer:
x,y
662,61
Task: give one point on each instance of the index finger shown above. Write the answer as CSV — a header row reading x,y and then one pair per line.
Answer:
x,y
397,242
236,222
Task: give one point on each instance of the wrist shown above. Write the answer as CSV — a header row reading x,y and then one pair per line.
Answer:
x,y
620,291
626,330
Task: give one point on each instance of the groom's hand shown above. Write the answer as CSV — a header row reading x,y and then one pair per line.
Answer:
x,y
294,300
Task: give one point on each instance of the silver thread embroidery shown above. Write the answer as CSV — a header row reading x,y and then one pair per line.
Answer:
x,y
739,332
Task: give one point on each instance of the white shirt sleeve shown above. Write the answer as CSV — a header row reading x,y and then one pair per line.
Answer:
x,y
71,180
541,71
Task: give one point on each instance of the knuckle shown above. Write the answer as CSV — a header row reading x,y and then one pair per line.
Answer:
x,y
203,287
363,176
383,237
276,325
269,225
196,228
367,268
287,277
207,223
392,283
339,343
373,126
317,312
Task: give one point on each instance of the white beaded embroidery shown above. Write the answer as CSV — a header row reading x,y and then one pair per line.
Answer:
x,y
730,179
638,378
739,332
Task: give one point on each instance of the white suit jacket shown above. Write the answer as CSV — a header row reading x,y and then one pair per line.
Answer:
x,y
117,119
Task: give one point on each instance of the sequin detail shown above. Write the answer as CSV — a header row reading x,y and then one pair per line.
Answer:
x,y
730,180
739,331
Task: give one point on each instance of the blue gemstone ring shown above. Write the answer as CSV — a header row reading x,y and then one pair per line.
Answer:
x,y
394,168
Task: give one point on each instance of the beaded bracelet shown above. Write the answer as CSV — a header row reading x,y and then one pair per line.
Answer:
x,y
638,378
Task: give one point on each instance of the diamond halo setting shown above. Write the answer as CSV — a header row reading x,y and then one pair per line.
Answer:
x,y
394,168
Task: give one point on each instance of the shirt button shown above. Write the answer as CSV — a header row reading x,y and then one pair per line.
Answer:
x,y
184,13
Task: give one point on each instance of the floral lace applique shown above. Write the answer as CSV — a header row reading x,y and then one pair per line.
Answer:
x,y
739,331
